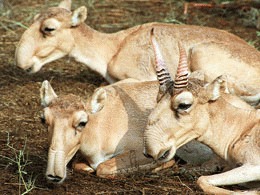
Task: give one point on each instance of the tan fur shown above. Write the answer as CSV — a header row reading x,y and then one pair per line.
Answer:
x,y
211,115
128,53
222,121
111,141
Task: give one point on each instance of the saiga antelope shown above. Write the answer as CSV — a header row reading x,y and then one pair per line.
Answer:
x,y
58,31
107,129
187,110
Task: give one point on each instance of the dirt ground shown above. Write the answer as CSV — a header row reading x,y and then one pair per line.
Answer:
x,y
23,139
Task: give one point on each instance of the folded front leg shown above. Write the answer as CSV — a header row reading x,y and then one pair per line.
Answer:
x,y
80,166
243,174
127,163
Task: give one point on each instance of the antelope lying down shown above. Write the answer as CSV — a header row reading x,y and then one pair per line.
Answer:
x,y
57,32
99,129
188,110
107,129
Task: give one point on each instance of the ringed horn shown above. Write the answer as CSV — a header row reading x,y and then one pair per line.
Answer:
x,y
163,75
182,73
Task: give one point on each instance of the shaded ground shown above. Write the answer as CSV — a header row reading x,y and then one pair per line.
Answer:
x,y
20,104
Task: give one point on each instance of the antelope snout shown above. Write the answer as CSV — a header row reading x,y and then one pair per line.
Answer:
x,y
56,167
29,70
146,154
54,178
163,155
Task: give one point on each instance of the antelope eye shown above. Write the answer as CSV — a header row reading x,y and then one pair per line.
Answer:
x,y
82,124
47,29
49,26
183,106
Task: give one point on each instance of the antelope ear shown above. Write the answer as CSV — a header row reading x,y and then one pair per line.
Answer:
x,y
97,100
79,16
47,94
198,74
216,87
66,4
36,17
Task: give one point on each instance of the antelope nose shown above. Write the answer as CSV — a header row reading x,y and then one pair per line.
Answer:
x,y
164,154
53,178
29,70
147,155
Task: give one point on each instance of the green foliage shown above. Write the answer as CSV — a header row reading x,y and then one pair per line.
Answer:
x,y
20,160
255,43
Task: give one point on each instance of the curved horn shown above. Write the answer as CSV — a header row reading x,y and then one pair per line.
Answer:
x,y
182,74
162,72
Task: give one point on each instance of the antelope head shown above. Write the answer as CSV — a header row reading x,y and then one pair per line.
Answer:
x,y
180,110
49,37
66,118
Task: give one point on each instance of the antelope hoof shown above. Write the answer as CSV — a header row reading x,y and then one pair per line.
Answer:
x,y
164,166
82,167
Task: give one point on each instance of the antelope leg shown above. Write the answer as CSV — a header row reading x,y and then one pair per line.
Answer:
x,y
245,173
127,163
80,166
